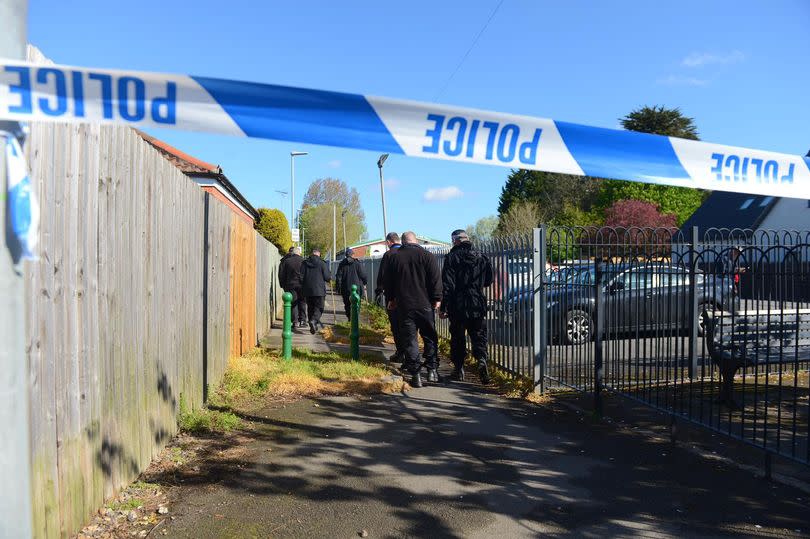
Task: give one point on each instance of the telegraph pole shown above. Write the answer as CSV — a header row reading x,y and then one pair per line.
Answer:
x,y
334,232
16,518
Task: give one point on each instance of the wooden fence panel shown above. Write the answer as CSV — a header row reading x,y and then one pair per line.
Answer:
x,y
243,286
218,289
145,286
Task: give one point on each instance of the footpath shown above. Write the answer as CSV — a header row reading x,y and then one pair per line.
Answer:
x,y
459,461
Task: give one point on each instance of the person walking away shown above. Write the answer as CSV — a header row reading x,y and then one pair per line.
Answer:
x,y
350,272
413,285
465,274
392,240
314,276
289,278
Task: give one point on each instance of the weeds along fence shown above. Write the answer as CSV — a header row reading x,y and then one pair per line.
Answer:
x,y
712,326
144,287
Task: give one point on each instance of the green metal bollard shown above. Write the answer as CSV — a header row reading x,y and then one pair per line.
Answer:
x,y
354,336
286,333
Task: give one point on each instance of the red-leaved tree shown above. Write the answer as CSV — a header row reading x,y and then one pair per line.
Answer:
x,y
637,213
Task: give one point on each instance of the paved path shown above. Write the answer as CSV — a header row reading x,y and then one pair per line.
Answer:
x,y
457,461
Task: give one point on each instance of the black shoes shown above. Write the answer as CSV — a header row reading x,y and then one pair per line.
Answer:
x,y
416,380
432,375
483,374
458,374
312,328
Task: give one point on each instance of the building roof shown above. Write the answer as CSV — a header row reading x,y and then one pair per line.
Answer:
x,y
382,240
185,162
193,167
731,210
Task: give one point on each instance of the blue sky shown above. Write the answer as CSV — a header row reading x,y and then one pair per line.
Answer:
x,y
740,68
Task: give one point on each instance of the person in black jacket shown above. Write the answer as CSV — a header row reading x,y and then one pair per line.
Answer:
x,y
314,276
392,239
349,272
465,274
413,287
289,277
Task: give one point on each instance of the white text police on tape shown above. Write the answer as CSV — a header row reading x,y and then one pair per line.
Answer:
x,y
457,135
119,97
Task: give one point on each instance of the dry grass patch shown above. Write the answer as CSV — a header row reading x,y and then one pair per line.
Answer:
x,y
263,373
369,336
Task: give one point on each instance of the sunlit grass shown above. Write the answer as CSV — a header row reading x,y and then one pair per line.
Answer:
x,y
263,373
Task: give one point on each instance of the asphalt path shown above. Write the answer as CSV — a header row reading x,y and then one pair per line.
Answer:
x,y
457,461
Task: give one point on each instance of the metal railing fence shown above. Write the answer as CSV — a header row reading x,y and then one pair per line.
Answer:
x,y
641,313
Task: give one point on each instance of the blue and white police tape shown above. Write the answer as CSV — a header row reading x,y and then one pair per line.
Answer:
x,y
30,92
22,203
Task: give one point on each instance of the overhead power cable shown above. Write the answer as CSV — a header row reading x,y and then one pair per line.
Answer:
x,y
469,50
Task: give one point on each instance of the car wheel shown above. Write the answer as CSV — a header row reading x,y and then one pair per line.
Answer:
x,y
709,308
577,327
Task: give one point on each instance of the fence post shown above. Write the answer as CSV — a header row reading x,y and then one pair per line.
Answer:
x,y
286,333
598,365
540,319
16,513
354,336
693,306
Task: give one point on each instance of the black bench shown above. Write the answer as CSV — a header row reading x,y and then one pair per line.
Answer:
x,y
746,339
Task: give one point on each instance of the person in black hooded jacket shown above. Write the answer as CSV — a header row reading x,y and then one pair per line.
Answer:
x,y
349,272
465,274
289,277
314,276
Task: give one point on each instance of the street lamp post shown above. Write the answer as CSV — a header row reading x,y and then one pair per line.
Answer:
x,y
380,163
343,218
293,155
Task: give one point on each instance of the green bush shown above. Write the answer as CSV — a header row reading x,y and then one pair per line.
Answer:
x,y
273,226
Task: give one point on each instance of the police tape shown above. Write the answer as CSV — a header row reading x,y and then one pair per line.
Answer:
x,y
33,92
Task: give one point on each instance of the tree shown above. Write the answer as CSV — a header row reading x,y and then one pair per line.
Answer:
x,y
637,213
333,190
661,121
681,201
558,197
316,220
273,226
520,218
483,229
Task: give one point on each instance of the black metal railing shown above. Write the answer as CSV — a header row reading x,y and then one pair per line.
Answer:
x,y
711,326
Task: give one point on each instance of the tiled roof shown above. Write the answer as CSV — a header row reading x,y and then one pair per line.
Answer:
x,y
183,161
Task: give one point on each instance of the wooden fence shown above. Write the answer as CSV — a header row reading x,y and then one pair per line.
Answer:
x,y
142,285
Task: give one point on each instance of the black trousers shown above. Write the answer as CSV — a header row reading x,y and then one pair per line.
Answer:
x,y
315,308
476,328
422,321
347,306
299,305
393,319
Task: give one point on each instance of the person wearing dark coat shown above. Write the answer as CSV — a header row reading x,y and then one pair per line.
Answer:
x,y
413,286
465,274
392,239
349,272
289,277
314,276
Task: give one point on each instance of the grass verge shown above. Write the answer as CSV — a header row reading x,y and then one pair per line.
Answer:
x,y
206,420
263,373
339,333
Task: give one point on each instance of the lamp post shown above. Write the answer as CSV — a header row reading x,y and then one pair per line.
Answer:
x,y
293,155
16,513
380,163
343,218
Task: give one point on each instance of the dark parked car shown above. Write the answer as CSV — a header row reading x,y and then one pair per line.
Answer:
x,y
640,297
